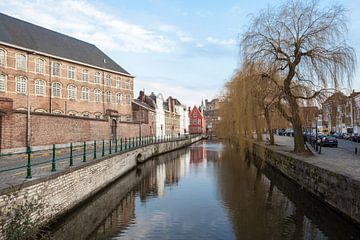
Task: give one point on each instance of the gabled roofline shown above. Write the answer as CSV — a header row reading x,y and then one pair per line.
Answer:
x,y
64,59
143,106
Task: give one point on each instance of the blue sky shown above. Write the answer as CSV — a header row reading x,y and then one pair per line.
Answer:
x,y
186,49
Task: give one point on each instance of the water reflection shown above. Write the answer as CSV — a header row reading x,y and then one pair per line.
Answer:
x,y
206,191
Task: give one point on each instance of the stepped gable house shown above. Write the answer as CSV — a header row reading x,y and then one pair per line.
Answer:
x,y
74,91
197,121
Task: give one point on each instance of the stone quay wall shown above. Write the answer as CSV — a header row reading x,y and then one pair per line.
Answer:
x,y
339,191
63,191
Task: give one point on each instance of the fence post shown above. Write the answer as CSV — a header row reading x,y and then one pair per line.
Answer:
x,y
110,146
121,147
71,155
53,164
125,143
103,148
116,143
84,155
28,165
133,142
95,149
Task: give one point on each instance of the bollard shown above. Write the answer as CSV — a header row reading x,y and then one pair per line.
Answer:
x,y
103,148
28,165
110,146
356,150
320,149
95,149
84,154
71,155
53,164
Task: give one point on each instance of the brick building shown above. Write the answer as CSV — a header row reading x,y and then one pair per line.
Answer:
x,y
172,118
60,80
211,113
144,113
197,121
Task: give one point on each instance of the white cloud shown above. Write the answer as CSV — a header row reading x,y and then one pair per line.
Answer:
x,y
228,42
87,22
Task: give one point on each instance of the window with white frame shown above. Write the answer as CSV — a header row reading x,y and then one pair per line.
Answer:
x,y
108,79
127,99
20,62
85,94
97,93
56,69
2,57
40,65
21,85
127,84
97,77
56,89
57,111
108,97
118,83
2,83
72,92
118,98
71,72
40,87
85,75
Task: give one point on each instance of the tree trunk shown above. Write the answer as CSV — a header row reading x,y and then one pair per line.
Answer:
x,y
259,136
296,122
268,123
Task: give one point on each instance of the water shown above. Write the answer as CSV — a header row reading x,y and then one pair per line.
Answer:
x,y
205,191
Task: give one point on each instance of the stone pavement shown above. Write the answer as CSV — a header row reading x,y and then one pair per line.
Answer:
x,y
339,160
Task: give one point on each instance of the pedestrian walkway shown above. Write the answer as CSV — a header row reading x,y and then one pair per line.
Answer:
x,y
339,160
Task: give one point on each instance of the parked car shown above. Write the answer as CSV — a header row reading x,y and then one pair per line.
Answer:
x,y
355,137
329,141
345,136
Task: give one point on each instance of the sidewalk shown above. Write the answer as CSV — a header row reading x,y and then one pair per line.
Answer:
x,y
338,160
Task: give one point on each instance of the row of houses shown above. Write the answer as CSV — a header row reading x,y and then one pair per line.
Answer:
x,y
57,89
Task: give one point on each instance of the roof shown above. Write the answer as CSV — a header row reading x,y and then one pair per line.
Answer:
x,y
142,104
16,32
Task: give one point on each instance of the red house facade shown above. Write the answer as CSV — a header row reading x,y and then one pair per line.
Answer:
x,y
197,121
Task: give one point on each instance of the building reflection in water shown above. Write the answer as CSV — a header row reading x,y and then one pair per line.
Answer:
x,y
198,154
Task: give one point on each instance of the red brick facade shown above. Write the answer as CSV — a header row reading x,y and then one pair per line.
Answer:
x,y
197,121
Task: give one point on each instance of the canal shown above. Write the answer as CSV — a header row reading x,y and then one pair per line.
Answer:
x,y
205,191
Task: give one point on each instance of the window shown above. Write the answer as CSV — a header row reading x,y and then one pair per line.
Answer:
x,y
72,113
108,97
2,57
57,111
86,114
40,87
85,75
71,72
2,83
40,65
85,94
127,84
127,99
40,110
21,85
56,89
118,83
97,77
97,95
72,92
20,62
98,115
108,79
118,98
56,69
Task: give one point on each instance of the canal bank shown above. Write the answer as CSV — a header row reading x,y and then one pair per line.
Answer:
x,y
60,192
337,187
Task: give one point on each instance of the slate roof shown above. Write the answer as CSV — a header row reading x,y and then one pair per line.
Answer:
x,y
26,35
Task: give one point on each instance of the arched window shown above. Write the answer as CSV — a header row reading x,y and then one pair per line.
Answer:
x,y
127,99
21,85
40,65
72,92
127,84
20,62
72,113
108,79
2,83
97,95
97,77
86,114
56,69
2,57
85,94
57,111
108,97
40,110
40,87
118,98
118,83
56,89
85,75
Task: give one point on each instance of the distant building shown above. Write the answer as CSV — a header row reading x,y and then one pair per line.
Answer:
x,y
211,113
159,113
172,118
197,121
144,114
335,114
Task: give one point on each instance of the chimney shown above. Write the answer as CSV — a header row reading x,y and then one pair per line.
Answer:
x,y
142,96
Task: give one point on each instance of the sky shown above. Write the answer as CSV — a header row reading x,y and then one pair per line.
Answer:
x,y
184,49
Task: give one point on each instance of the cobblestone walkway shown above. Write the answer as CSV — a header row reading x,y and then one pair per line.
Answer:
x,y
339,160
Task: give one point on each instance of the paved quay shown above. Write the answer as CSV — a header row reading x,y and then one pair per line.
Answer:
x,y
340,160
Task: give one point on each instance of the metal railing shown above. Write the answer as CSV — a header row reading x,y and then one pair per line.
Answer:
x,y
90,151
